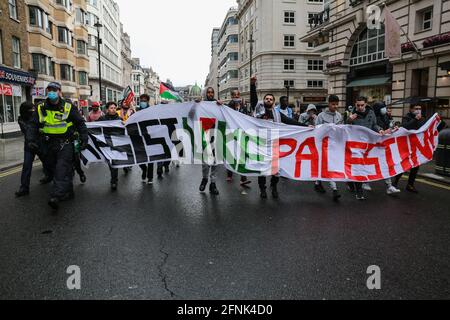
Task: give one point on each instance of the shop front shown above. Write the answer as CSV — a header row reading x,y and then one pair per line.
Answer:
x,y
15,88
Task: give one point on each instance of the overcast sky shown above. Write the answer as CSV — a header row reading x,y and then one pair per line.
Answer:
x,y
174,36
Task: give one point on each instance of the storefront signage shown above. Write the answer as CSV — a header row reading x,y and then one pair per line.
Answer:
x,y
6,90
15,76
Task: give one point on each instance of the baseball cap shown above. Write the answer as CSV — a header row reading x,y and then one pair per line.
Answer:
x,y
95,104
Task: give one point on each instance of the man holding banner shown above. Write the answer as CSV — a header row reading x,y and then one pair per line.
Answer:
x,y
266,110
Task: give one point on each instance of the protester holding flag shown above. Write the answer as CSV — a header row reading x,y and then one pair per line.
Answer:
x,y
365,117
266,110
147,169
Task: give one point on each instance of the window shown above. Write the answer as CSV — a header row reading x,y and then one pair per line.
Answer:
x,y
80,16
13,9
82,78
310,45
315,65
425,19
289,83
315,84
369,47
64,36
289,64
39,19
66,72
42,64
289,41
81,47
65,3
16,52
289,17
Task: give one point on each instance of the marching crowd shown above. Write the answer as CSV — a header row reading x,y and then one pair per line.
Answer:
x,y
56,132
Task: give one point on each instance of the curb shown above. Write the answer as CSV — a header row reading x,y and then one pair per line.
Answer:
x,y
445,180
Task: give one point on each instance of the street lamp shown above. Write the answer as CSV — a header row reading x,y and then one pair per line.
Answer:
x,y
251,41
287,91
98,25
218,88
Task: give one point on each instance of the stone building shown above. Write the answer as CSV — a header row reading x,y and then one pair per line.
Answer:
x,y
16,79
282,64
357,64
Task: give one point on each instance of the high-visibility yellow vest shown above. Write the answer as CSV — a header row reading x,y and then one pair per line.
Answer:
x,y
54,122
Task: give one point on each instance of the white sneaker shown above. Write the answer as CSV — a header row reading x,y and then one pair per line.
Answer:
x,y
150,182
366,187
392,190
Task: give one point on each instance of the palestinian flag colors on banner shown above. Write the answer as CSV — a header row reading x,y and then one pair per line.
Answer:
x,y
167,92
128,96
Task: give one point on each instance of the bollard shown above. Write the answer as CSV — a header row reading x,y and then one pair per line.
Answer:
x,y
442,166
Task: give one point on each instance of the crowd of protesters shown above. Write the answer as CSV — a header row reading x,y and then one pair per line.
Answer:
x,y
55,131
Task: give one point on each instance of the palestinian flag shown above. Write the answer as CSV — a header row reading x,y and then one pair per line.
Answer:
x,y
167,92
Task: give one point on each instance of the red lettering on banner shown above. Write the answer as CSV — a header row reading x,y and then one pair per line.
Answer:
x,y
325,172
424,149
389,159
313,157
403,150
373,162
350,160
277,154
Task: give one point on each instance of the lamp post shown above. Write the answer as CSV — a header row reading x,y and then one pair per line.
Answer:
x,y
98,25
251,41
287,91
218,88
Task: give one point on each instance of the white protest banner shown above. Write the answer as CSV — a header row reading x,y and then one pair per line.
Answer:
x,y
196,133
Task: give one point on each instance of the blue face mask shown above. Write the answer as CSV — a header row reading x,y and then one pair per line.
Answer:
x,y
143,105
53,96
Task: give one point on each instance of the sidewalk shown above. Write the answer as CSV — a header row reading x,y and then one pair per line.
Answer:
x,y
11,153
427,171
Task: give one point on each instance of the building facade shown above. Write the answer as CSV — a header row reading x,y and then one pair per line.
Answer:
x,y
283,65
358,64
152,83
127,62
107,13
211,79
58,37
137,79
16,80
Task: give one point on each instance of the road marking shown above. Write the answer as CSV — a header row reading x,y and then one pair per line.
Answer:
x,y
433,184
16,170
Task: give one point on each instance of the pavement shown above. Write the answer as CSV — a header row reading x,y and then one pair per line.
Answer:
x,y
168,241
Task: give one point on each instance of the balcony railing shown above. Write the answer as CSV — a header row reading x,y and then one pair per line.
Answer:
x,y
319,18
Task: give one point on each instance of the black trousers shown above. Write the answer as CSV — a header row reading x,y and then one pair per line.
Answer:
x,y
148,169
412,176
114,175
59,159
28,159
262,181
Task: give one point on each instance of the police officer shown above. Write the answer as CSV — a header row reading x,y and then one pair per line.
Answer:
x,y
57,121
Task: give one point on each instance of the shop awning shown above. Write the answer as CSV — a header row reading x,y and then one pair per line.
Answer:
x,y
367,82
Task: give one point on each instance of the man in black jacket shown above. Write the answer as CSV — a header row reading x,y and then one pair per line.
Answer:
x,y
266,110
56,121
412,121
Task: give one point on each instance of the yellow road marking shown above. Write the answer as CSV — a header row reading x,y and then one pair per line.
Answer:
x,y
433,184
16,170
